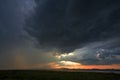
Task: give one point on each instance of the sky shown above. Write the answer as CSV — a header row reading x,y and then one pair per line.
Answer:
x,y
55,34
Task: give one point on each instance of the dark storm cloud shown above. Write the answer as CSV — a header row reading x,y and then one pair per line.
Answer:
x,y
91,27
59,26
11,23
12,35
70,24
17,47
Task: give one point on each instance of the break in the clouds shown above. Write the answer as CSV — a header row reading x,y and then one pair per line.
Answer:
x,y
36,32
97,53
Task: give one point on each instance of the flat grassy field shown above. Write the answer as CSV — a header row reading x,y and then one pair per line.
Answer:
x,y
55,75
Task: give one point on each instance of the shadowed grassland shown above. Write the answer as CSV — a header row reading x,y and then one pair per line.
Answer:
x,y
55,75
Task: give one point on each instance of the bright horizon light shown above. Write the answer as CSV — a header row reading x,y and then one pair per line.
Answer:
x,y
69,63
64,55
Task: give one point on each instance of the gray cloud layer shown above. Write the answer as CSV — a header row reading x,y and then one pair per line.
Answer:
x,y
12,33
12,18
31,32
69,24
97,53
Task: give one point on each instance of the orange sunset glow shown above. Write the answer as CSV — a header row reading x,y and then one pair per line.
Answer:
x,y
60,34
69,65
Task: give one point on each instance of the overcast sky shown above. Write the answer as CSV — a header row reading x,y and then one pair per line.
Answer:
x,y
44,34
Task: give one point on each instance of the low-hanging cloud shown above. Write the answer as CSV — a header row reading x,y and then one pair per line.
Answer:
x,y
88,28
70,24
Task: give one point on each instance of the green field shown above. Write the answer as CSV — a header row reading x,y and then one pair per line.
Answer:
x,y
55,75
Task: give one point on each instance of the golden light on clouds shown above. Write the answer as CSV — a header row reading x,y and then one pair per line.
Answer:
x,y
69,63
21,62
59,56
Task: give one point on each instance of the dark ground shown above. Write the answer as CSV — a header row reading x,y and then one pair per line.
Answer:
x,y
55,75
